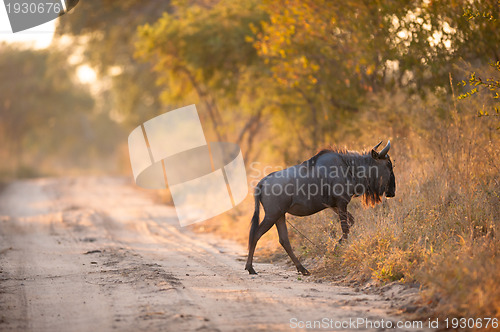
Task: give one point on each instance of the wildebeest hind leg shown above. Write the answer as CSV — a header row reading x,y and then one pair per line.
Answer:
x,y
264,226
285,242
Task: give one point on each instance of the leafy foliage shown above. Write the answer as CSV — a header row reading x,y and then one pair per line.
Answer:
x,y
295,75
104,33
38,93
491,84
201,55
490,16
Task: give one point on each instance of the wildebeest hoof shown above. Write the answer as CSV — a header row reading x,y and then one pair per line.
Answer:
x,y
303,271
338,245
250,270
342,239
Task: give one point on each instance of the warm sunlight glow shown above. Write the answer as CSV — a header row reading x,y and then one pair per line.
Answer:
x,y
86,74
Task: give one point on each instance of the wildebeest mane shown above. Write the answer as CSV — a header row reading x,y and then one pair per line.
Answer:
x,y
372,193
312,161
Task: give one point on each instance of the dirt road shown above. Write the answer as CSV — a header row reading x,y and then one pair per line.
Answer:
x,y
96,254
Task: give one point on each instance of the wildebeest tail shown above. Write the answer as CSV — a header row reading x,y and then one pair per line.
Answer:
x,y
255,218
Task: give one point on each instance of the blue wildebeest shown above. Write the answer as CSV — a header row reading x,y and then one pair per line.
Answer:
x,y
328,180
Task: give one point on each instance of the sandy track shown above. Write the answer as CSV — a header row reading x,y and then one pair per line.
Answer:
x,y
96,254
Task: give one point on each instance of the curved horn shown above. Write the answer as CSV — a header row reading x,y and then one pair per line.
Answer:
x,y
385,150
376,146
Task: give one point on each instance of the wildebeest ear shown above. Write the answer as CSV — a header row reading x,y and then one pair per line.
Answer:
x,y
374,154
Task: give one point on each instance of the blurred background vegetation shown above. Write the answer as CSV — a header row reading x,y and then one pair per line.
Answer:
x,y
283,79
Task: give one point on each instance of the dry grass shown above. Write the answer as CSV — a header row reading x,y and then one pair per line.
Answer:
x,y
442,228
445,237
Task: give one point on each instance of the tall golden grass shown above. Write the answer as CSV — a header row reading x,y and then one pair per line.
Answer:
x,y
441,229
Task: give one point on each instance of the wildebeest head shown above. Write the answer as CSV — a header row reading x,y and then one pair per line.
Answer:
x,y
385,180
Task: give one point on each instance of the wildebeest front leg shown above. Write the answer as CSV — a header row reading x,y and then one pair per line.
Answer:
x,y
285,242
350,219
344,218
